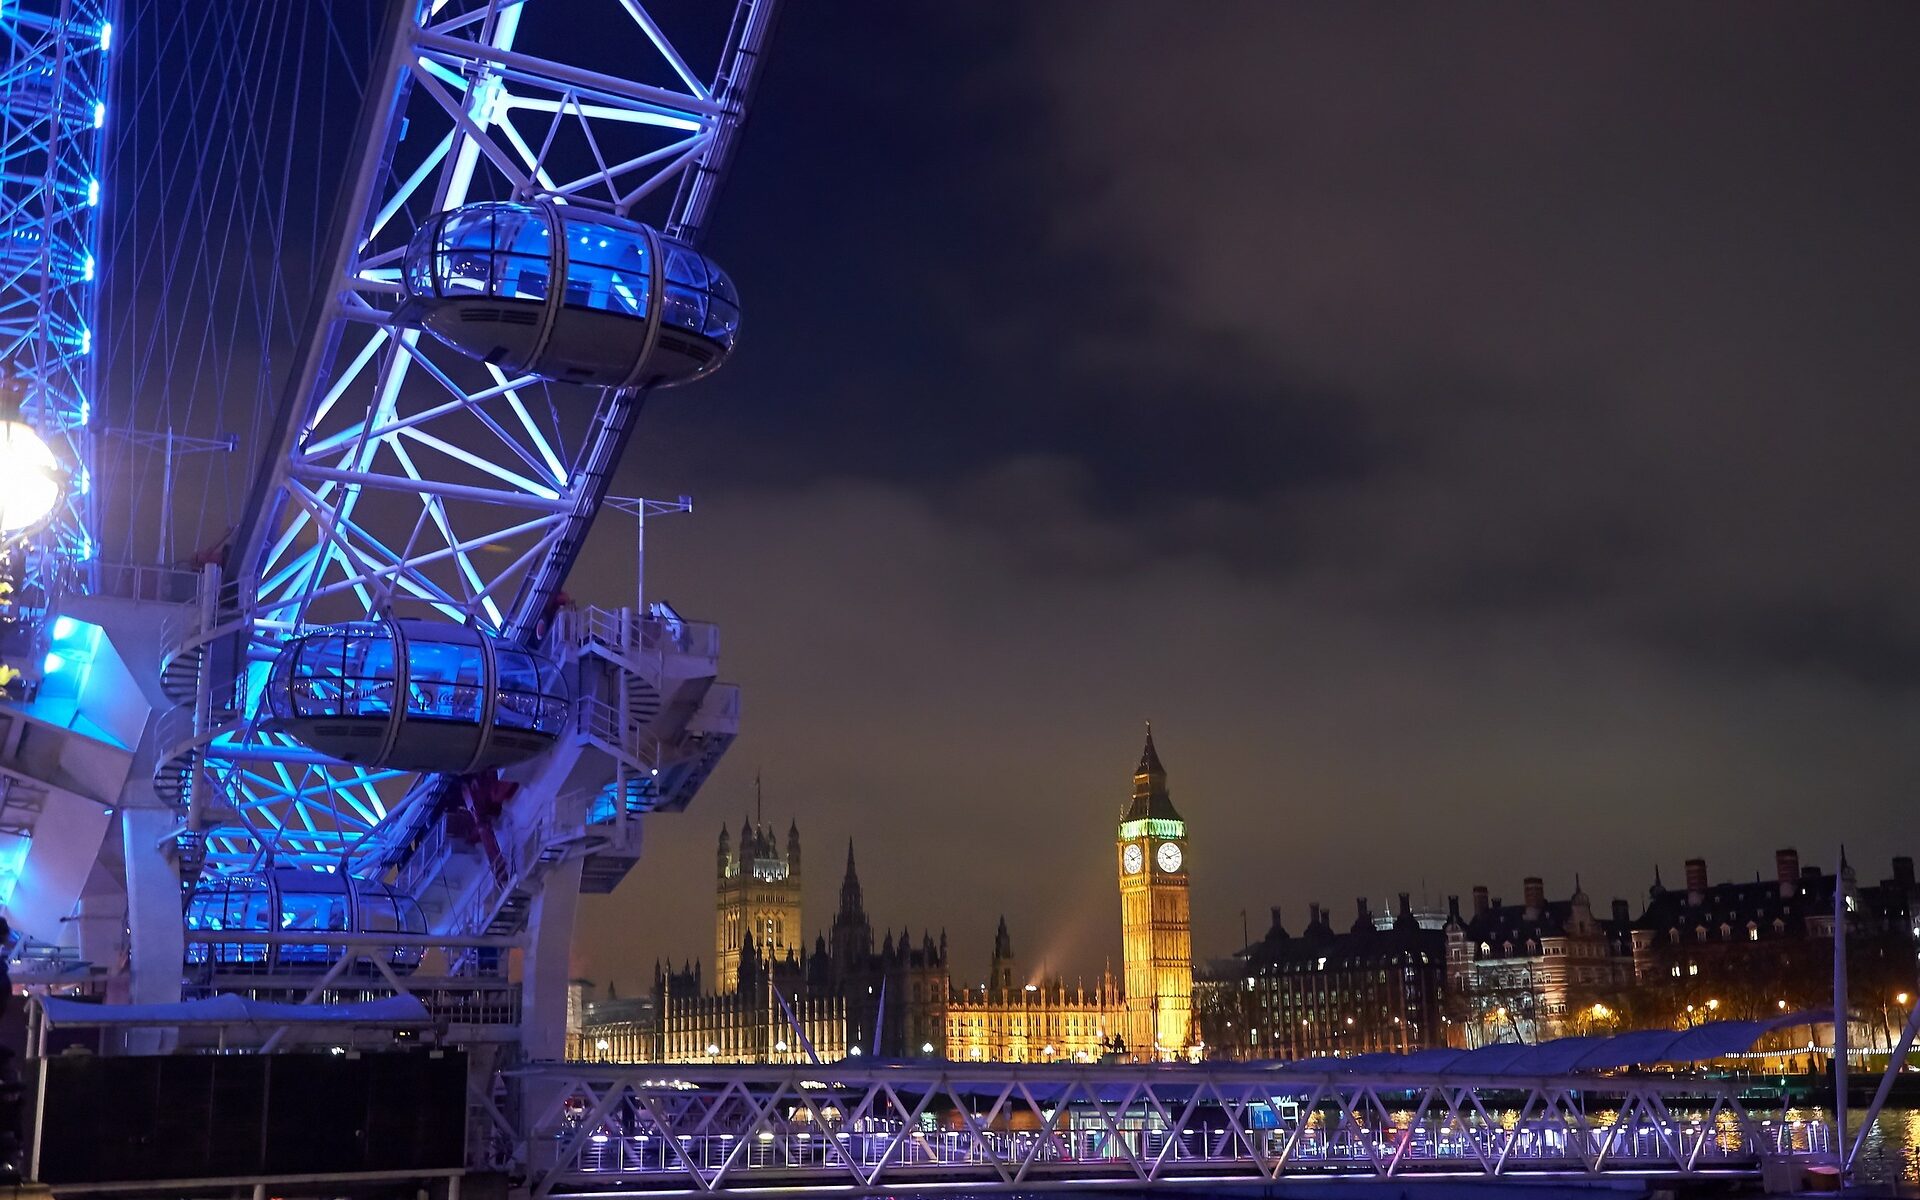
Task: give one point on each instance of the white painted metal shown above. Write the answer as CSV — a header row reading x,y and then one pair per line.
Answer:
x,y
691,1130
407,477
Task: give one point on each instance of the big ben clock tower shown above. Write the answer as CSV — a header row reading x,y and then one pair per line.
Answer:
x,y
1155,919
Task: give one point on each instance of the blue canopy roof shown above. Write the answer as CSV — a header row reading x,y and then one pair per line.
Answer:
x,y
1571,1055
1501,1060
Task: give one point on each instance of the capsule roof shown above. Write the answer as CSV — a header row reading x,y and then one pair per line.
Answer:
x,y
416,695
568,294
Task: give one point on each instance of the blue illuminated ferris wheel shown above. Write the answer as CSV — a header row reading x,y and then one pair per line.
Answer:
x,y
53,100
371,676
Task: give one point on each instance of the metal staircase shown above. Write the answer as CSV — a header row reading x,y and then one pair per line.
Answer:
x,y
649,724
209,703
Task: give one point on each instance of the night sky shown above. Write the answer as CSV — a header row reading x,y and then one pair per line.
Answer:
x,y
1482,438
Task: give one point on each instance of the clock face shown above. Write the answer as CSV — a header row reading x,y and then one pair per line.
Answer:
x,y
1168,857
1132,859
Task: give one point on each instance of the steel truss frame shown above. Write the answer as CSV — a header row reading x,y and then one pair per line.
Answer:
x,y
408,477
698,1130
53,114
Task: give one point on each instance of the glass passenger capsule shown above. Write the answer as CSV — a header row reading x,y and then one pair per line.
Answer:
x,y
576,296
288,899
416,695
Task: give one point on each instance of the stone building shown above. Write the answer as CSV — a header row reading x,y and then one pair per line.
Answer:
x,y
616,1029
757,897
1012,1018
1751,950
1156,921
1705,951
896,996
768,1016
1376,987
771,1000
1534,970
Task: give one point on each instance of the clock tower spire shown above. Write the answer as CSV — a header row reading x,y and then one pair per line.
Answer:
x,y
1155,917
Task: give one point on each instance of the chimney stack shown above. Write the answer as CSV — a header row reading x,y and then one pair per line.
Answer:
x,y
1696,880
1786,868
1620,912
1536,895
1479,899
1903,871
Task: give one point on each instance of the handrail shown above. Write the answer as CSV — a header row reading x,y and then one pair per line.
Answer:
x,y
218,611
144,581
340,937
603,724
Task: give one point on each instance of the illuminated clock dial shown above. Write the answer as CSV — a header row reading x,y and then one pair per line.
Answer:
x,y
1132,859
1168,857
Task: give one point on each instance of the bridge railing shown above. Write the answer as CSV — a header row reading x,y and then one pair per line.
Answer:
x,y
667,1129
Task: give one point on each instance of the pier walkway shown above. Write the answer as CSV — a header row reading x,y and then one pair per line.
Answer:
x,y
994,1128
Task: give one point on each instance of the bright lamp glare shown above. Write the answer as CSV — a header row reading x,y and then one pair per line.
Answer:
x,y
29,479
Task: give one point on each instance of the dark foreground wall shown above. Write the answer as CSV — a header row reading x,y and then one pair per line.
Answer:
x,y
223,1116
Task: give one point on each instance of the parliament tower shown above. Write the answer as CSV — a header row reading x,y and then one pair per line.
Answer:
x,y
758,898
1155,919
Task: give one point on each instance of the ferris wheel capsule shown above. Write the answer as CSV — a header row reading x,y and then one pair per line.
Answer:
x,y
570,295
416,695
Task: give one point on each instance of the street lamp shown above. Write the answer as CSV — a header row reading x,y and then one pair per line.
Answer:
x,y
1901,998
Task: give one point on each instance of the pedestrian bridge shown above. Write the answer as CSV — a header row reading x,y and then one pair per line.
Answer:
x,y
933,1126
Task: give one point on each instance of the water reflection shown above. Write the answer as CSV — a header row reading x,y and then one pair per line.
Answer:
x,y
1891,1153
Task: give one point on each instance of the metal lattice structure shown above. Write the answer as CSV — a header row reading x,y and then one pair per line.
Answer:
x,y
407,477
1007,1129
53,126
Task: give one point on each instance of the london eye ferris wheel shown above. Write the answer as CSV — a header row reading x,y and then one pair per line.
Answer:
x,y
341,699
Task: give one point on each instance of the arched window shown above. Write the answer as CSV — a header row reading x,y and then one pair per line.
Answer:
x,y
1700,933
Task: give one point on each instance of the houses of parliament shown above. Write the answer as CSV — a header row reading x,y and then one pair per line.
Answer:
x,y
854,990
